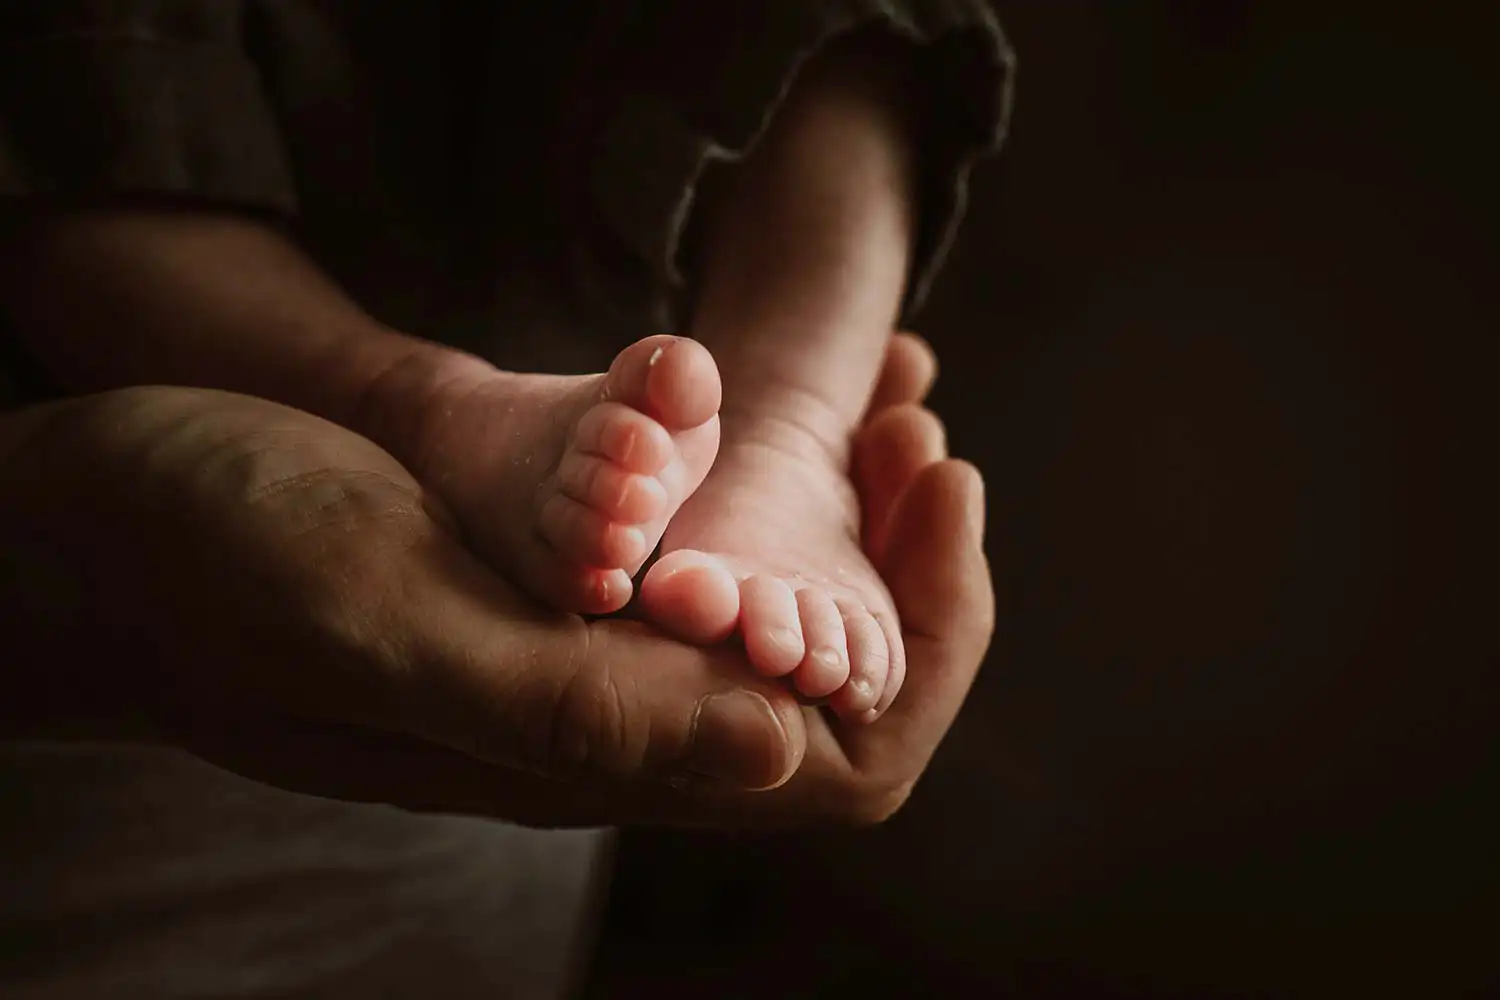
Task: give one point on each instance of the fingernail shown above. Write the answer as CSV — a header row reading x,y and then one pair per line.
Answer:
x,y
738,740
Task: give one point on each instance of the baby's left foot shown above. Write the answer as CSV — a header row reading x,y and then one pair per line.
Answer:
x,y
769,546
565,484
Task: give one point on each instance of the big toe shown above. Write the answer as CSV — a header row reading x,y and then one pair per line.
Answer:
x,y
672,379
692,596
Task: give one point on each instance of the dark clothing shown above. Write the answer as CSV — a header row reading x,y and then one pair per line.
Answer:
x,y
426,147
463,167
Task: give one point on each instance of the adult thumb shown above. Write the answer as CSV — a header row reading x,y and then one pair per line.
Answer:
x,y
558,697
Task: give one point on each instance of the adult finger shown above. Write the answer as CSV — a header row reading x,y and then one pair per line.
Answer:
x,y
908,374
888,453
935,567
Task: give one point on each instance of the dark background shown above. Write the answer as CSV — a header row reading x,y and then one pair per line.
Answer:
x,y
1222,334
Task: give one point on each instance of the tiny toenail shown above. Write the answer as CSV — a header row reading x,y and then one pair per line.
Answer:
x,y
863,688
828,656
870,716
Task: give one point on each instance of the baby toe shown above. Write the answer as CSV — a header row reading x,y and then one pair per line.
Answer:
x,y
825,666
896,673
693,596
597,591
771,625
626,437
614,493
583,535
585,590
672,379
869,664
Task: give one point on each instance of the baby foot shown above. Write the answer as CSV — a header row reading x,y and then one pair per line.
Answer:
x,y
566,484
769,546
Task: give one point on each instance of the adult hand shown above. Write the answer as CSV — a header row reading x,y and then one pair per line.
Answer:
x,y
278,595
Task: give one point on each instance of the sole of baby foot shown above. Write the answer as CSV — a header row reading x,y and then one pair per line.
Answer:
x,y
566,484
767,549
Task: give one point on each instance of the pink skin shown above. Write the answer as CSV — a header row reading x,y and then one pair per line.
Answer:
x,y
567,483
769,547
740,551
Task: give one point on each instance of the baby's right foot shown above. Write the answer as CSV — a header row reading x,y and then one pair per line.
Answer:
x,y
566,484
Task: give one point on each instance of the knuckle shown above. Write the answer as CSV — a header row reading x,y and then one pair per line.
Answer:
x,y
591,727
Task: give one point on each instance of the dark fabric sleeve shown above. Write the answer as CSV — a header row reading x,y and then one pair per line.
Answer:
x,y
677,86
144,97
